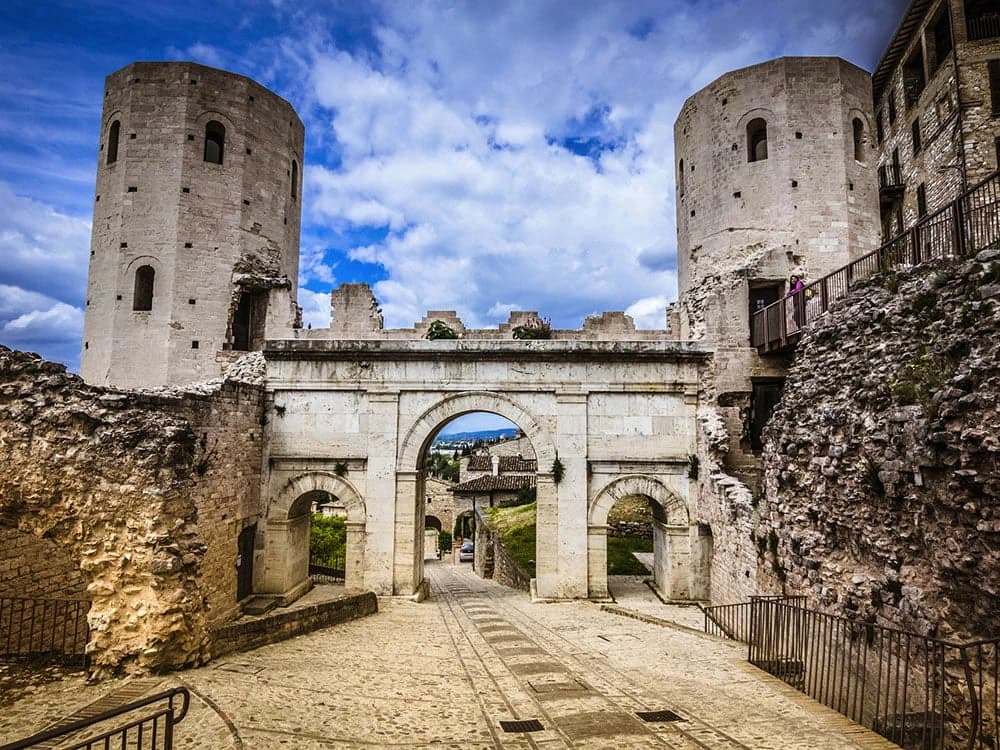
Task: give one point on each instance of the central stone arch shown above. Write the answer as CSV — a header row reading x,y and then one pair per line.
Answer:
x,y
672,562
409,480
286,548
421,432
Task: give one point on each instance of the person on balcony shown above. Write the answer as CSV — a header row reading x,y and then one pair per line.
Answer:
x,y
796,290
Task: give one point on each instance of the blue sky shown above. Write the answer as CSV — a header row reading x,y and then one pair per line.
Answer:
x,y
476,156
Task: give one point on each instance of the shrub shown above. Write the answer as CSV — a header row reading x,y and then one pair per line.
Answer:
x,y
440,330
533,329
444,541
327,539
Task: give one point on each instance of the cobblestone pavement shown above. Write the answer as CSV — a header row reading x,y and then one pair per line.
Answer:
x,y
446,672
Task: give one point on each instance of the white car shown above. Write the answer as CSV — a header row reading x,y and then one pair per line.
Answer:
x,y
467,552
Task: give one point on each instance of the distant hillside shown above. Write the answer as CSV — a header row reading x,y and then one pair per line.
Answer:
x,y
505,433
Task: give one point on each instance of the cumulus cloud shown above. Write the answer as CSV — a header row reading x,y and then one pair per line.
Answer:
x,y
315,308
520,156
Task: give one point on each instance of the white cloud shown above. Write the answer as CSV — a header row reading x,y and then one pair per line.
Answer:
x,y
649,312
315,308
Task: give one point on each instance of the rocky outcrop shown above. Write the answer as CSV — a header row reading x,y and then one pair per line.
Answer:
x,y
145,492
882,492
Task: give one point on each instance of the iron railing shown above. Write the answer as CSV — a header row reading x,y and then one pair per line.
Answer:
x,y
329,570
732,621
985,26
960,229
153,730
44,628
890,176
919,692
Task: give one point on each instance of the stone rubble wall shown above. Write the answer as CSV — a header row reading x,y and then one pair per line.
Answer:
x,y
145,492
492,559
881,482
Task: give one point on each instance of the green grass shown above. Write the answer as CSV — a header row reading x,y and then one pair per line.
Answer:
x,y
516,527
621,561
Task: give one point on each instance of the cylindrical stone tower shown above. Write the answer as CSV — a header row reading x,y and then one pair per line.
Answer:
x,y
196,219
775,173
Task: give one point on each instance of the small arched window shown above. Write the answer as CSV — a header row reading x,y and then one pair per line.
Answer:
x,y
680,177
142,295
859,139
215,142
295,179
113,132
756,140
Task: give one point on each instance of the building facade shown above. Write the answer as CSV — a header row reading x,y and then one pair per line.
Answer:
x,y
937,108
196,218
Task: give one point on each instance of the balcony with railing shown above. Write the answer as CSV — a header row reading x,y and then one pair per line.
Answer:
x,y
983,26
890,182
958,230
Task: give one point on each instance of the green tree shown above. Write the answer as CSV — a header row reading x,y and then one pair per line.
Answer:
x,y
327,539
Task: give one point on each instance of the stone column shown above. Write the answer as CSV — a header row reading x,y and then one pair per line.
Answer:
x,y
546,535
408,560
597,562
354,564
380,490
571,438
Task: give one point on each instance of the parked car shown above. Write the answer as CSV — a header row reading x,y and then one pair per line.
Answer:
x,y
467,552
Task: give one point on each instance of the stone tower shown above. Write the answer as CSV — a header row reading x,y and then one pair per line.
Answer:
x,y
775,173
196,221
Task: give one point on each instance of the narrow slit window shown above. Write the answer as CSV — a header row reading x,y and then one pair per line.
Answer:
x,y
915,134
756,140
680,177
215,142
295,179
142,295
859,139
993,69
921,201
113,134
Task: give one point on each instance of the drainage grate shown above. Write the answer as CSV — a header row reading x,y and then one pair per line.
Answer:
x,y
659,716
528,725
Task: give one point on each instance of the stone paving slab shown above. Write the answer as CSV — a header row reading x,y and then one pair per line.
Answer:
x,y
438,675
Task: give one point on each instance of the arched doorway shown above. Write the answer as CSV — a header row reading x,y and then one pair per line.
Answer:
x,y
285,572
416,447
677,545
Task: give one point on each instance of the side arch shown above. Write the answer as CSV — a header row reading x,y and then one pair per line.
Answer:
x,y
675,511
672,563
312,481
286,536
422,430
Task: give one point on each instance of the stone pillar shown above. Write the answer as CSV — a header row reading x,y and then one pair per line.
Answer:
x,y
380,490
672,564
408,560
546,535
597,562
354,564
286,557
571,438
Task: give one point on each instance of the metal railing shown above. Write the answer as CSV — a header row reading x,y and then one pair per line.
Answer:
x,y
985,26
153,730
44,628
890,175
732,621
330,570
919,692
958,230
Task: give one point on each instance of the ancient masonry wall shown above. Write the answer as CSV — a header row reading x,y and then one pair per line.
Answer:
x,y
144,492
882,499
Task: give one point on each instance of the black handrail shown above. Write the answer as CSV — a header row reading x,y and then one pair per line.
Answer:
x,y
962,227
170,719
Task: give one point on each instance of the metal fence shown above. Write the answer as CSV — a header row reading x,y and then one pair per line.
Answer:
x,y
151,726
960,229
44,628
733,620
329,570
919,692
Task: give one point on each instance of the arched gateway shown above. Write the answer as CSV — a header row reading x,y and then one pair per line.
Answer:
x,y
354,409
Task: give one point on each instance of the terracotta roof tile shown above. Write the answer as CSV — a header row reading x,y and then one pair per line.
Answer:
x,y
507,464
490,483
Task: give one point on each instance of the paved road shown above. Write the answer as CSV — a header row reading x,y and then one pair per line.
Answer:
x,y
446,672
